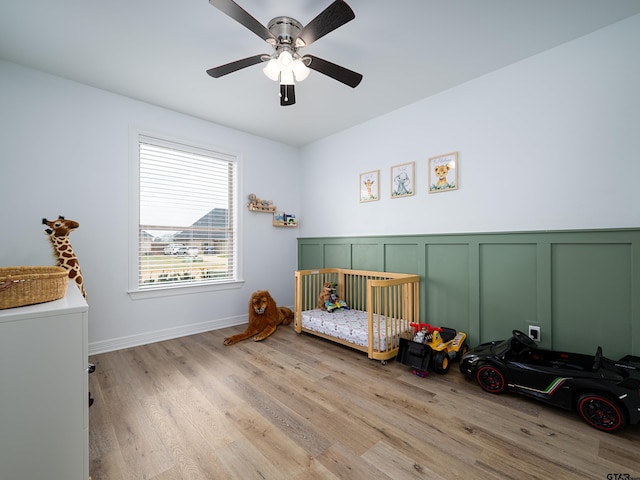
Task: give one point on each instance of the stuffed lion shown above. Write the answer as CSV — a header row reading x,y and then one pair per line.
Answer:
x,y
264,317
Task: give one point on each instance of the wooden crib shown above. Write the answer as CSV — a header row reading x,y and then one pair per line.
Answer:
x,y
381,307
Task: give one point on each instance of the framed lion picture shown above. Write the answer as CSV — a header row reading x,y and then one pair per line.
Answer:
x,y
443,173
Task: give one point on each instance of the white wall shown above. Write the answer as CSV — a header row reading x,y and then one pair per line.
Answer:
x,y
65,150
549,143
552,142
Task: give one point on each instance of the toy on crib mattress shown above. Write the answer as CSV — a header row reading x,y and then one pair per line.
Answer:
x,y
328,299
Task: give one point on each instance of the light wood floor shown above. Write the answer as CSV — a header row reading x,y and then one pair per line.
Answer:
x,y
298,407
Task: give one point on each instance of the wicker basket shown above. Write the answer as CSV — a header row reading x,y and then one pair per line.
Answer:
x,y
28,285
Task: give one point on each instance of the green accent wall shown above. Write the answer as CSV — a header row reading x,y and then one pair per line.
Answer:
x,y
581,287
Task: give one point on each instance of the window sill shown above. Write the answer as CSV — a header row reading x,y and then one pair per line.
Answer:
x,y
183,290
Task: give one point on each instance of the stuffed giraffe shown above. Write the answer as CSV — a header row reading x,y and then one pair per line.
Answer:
x,y
58,232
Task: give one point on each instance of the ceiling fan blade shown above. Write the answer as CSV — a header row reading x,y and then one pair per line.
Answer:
x,y
334,16
218,72
341,74
241,16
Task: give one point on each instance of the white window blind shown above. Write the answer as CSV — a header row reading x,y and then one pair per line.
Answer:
x,y
186,231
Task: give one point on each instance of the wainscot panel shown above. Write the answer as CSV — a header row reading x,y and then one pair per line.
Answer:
x,y
364,256
592,286
581,287
508,288
338,254
448,291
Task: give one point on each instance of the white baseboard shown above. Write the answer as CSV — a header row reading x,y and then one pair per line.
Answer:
x,y
105,346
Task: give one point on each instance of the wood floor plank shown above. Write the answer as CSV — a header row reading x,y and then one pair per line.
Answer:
x,y
280,449
620,454
395,464
193,456
212,385
299,407
418,420
344,463
103,439
140,444
316,471
290,422
171,474
324,420
244,461
109,466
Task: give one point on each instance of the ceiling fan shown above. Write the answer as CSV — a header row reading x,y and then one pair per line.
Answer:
x,y
287,35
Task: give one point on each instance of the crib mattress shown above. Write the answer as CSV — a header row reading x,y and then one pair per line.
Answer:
x,y
349,325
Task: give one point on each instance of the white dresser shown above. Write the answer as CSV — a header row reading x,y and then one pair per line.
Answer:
x,y
44,409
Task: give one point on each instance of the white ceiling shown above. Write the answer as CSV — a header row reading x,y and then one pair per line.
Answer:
x,y
158,51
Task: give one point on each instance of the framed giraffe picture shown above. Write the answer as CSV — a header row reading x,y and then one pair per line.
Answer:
x,y
370,186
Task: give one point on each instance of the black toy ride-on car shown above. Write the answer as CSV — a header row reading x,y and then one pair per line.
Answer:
x,y
604,392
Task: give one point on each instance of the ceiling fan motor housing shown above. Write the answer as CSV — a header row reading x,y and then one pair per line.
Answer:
x,y
285,29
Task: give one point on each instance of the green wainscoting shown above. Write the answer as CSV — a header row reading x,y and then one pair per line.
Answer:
x,y
582,287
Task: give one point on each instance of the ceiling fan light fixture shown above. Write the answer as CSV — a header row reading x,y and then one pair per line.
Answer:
x,y
300,70
272,70
285,61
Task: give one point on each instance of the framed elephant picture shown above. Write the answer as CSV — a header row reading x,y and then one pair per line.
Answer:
x,y
402,180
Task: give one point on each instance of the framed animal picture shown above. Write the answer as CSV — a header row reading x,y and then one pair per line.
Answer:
x,y
443,173
370,186
402,180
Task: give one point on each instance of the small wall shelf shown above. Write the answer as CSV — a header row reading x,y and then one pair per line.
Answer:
x,y
263,209
286,226
285,220
258,205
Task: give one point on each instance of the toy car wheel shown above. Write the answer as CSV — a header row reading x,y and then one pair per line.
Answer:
x,y
441,363
600,412
463,349
491,379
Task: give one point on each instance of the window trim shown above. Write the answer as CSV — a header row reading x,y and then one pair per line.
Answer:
x,y
134,292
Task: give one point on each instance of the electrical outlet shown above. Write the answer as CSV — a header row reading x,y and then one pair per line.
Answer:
x,y
534,332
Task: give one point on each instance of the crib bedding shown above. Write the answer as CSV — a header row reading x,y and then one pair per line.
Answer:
x,y
349,325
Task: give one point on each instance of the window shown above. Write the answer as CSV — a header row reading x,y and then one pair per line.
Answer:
x,y
186,222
